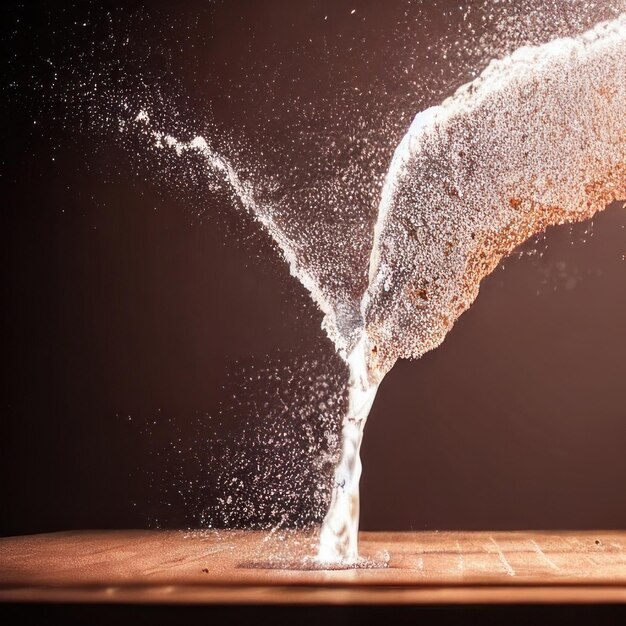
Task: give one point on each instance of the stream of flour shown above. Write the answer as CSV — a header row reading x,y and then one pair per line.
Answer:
x,y
537,139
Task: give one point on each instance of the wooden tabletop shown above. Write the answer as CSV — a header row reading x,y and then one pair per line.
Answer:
x,y
139,566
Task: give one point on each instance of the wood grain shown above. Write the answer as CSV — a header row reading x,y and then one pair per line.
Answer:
x,y
139,566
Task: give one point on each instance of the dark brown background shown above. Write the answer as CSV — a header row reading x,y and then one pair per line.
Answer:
x,y
121,310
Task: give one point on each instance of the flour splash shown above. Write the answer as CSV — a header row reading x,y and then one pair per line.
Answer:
x,y
538,139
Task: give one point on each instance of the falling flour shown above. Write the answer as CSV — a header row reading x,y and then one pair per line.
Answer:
x,y
538,139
